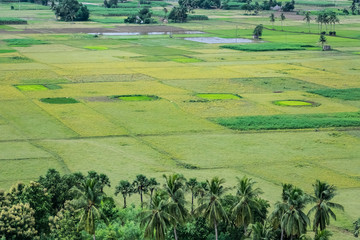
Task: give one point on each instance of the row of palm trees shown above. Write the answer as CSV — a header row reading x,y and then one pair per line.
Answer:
x,y
167,208
327,18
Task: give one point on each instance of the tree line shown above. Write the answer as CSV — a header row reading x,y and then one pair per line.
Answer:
x,y
75,206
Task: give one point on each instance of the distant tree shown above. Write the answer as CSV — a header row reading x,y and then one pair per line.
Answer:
x,y
178,14
110,3
272,19
282,18
353,7
323,193
307,19
289,6
322,40
153,184
71,10
210,206
18,222
141,184
125,188
258,31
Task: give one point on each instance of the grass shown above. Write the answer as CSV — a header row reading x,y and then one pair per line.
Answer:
x,y
218,96
259,47
15,59
31,87
352,94
291,121
7,50
294,103
59,100
136,97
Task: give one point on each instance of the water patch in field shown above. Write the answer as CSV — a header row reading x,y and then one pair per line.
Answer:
x,y
215,40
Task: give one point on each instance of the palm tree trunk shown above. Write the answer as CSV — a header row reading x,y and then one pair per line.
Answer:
x,y
94,238
124,201
282,234
216,233
192,203
176,238
141,199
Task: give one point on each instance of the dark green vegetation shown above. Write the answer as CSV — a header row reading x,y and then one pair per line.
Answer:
x,y
59,100
71,10
345,94
7,50
297,121
23,42
267,47
75,206
10,21
135,97
15,59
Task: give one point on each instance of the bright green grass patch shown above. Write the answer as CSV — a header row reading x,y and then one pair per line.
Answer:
x,y
26,42
135,97
7,50
15,59
37,87
218,96
186,60
32,87
266,47
294,103
96,47
291,121
59,100
345,94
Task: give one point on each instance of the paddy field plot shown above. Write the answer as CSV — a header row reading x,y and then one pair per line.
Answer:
x,y
117,126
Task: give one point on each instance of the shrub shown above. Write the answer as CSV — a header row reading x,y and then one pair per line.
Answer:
x,y
197,17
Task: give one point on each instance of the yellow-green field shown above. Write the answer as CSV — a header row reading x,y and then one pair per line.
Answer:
x,y
195,82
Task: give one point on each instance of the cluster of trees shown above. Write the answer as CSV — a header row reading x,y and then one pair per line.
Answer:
x,y
255,8
74,206
326,18
70,10
355,9
143,17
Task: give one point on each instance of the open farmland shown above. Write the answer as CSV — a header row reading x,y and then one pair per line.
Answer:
x,y
151,104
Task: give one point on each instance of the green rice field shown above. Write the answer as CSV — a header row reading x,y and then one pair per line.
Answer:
x,y
278,111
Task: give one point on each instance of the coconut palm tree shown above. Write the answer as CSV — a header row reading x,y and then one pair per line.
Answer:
x,y
192,185
322,40
307,19
282,18
272,19
323,193
246,202
262,231
294,221
140,185
174,185
210,206
87,201
156,220
125,188
152,186
356,227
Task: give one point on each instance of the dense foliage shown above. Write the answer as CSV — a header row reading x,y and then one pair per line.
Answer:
x,y
74,206
71,10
